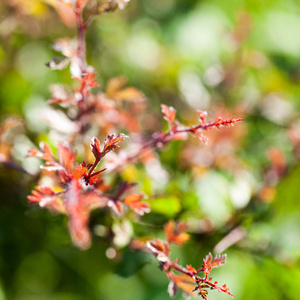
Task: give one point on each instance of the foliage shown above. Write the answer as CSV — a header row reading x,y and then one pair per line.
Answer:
x,y
82,190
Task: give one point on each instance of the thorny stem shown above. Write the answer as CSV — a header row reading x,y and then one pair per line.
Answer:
x,y
165,137
197,278
81,53
180,269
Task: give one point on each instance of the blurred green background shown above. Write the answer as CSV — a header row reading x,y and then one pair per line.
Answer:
x,y
239,194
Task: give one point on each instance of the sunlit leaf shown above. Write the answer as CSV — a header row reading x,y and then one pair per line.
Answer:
x,y
168,206
135,203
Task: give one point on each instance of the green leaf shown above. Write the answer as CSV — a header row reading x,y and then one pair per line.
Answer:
x,y
287,192
131,262
168,206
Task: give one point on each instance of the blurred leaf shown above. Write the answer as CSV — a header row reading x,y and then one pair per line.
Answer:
x,y
131,262
115,90
58,63
287,193
168,206
265,278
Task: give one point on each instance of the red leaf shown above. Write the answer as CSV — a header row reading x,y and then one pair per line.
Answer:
x,y
175,233
40,194
66,156
191,269
95,148
123,188
207,259
78,207
202,116
169,113
111,141
78,214
45,148
87,80
81,2
78,227
209,263
202,138
224,289
65,177
46,197
80,170
134,202
101,186
45,152
93,178
219,260
219,121
159,247
206,268
92,200
140,243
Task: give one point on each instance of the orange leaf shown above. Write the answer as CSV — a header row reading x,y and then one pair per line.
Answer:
x,y
219,260
169,113
111,141
202,116
140,243
175,233
80,170
89,80
41,193
115,84
129,94
45,152
134,202
66,156
191,269
184,282
46,197
159,246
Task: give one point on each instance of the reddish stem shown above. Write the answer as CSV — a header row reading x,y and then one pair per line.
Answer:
x,y
81,55
93,166
198,279
81,27
94,174
181,269
165,137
